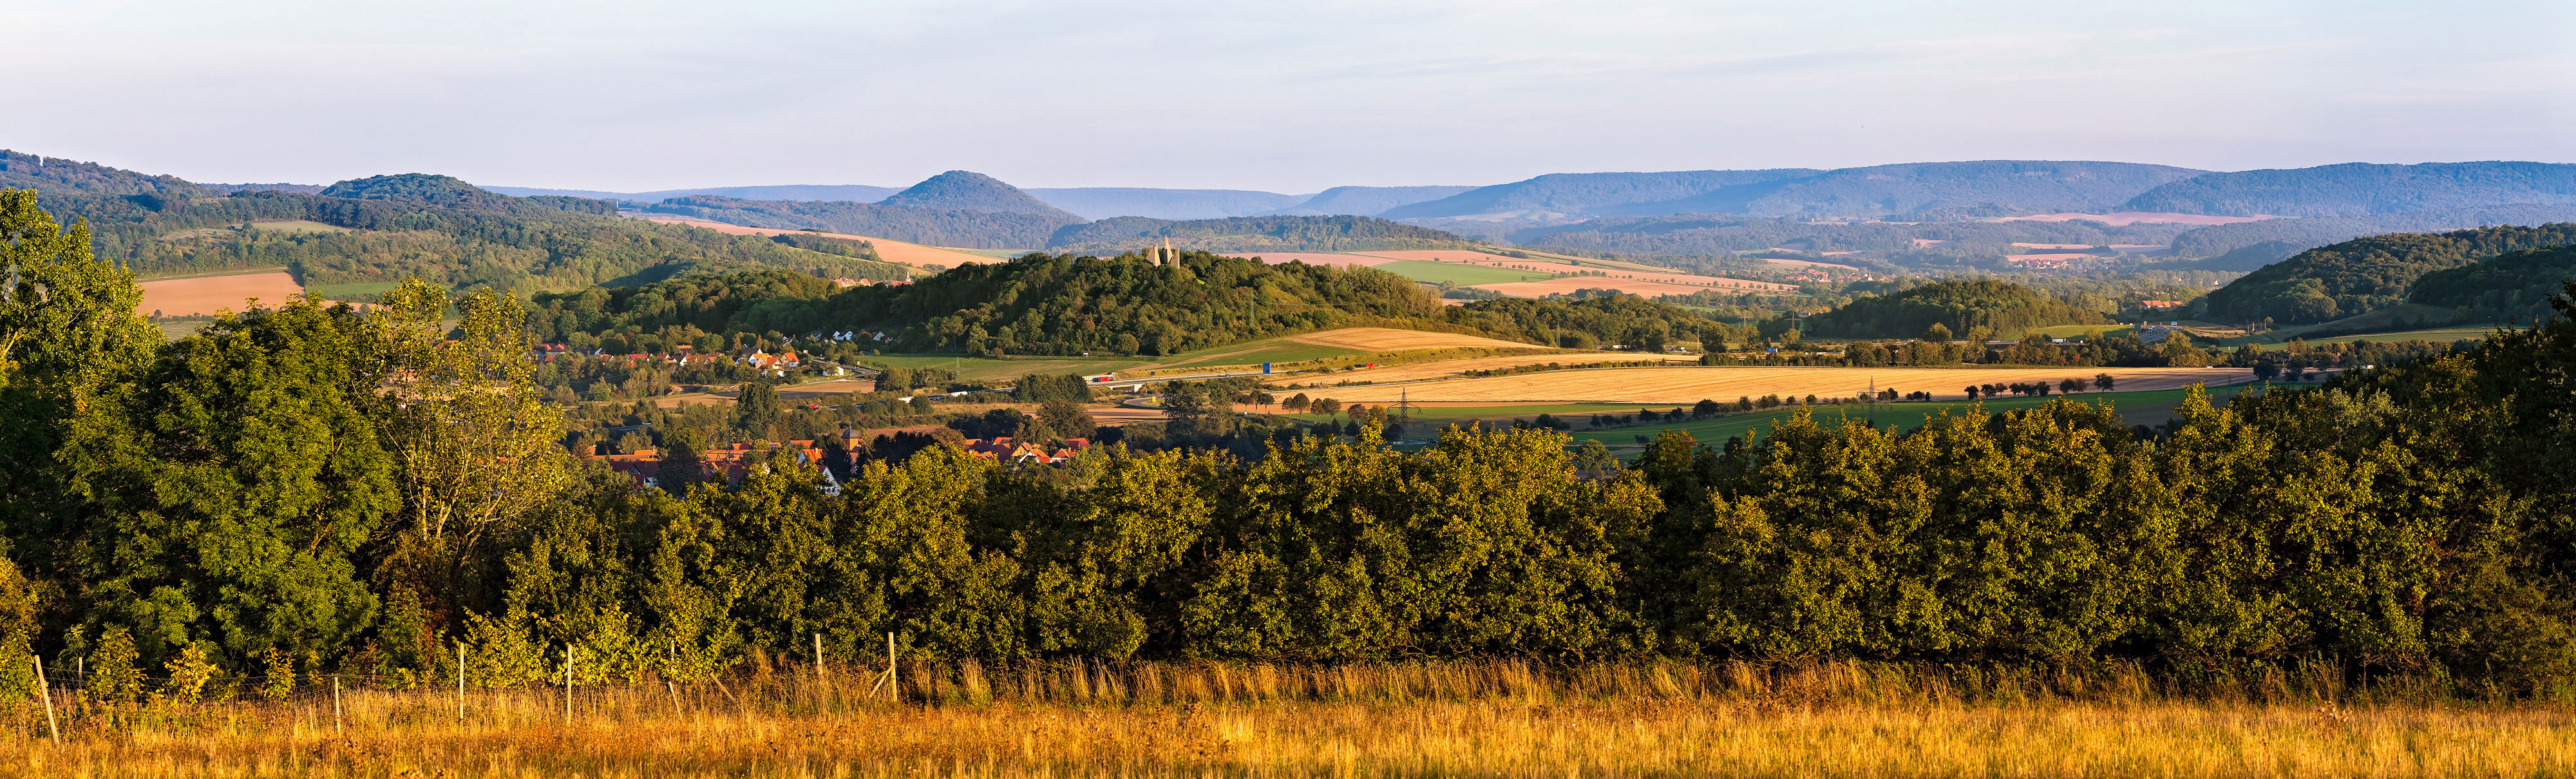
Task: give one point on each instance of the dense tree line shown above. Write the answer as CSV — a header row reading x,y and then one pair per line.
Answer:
x,y
1958,306
324,490
2362,275
2514,286
1252,234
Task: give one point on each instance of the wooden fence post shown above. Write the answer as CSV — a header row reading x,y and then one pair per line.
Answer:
x,y
47,690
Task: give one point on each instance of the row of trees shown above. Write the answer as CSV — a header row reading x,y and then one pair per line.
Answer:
x,y
360,492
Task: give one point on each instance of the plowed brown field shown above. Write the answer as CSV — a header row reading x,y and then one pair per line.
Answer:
x,y
1692,384
204,294
1382,339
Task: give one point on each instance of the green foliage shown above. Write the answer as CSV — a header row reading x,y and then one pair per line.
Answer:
x,y
1252,234
2518,285
230,486
2358,276
1958,305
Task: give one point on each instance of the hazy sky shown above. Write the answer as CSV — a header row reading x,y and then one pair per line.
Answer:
x,y
1289,97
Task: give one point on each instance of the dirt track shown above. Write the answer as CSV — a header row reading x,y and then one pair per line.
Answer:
x,y
1692,384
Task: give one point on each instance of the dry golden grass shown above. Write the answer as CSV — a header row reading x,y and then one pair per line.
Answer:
x,y
1451,368
206,294
1382,339
1687,385
1415,719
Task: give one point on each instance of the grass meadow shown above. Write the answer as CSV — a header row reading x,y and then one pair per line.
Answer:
x,y
1496,718
1465,275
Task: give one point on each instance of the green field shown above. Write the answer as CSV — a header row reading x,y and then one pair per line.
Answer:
x,y
2437,335
2070,331
1464,275
1253,352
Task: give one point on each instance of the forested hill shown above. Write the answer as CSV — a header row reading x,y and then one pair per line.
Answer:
x,y
966,190
2358,276
2244,246
1578,192
385,228
2511,287
1964,307
1252,234
2362,188
60,177
1106,202
929,226
1067,304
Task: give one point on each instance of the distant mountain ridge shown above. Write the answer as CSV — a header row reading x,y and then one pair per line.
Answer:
x,y
932,226
856,193
1106,202
1366,201
2362,188
1251,234
1867,191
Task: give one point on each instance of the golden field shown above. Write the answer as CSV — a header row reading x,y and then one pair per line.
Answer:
x,y
896,252
1692,384
207,294
1451,368
1489,718
1382,339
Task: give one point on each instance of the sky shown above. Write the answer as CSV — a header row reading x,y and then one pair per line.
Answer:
x,y
1286,97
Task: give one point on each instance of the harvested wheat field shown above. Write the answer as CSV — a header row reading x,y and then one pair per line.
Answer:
x,y
206,294
1690,385
1451,368
1384,339
1563,284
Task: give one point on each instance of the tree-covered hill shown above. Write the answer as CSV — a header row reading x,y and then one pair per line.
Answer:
x,y
1691,234
2358,276
966,190
2244,246
386,228
1961,306
928,226
2514,286
1252,234
2363,188
62,177
1076,304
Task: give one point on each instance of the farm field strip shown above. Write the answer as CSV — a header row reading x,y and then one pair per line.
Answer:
x,y
206,294
1450,369
1387,339
1692,384
1462,274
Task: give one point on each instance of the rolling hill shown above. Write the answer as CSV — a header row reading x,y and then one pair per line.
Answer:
x,y
2002,308
966,190
2362,188
2248,245
2507,287
1574,193
2357,276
